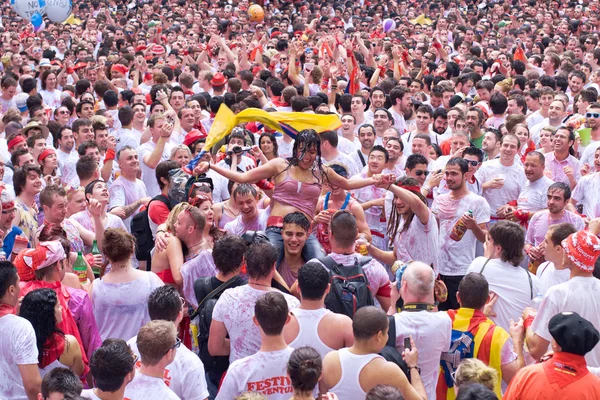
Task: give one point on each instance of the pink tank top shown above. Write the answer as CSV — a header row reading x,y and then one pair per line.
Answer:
x,y
224,218
300,195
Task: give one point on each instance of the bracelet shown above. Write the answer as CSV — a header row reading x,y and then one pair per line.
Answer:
x,y
415,367
528,321
160,231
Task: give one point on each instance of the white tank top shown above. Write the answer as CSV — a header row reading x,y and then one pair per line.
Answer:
x,y
348,388
54,364
308,334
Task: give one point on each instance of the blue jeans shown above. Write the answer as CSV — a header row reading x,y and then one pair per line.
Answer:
x,y
312,247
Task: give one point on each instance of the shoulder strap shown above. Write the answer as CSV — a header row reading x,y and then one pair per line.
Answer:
x,y
328,262
391,331
346,201
484,264
217,291
326,201
362,158
530,284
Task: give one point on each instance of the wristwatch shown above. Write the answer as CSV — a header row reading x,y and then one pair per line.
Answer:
x,y
415,367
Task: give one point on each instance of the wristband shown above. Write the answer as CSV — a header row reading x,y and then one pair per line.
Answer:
x,y
528,321
70,70
265,185
437,45
110,155
89,258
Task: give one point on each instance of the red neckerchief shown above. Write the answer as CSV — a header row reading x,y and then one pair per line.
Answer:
x,y
5,309
278,103
53,349
565,368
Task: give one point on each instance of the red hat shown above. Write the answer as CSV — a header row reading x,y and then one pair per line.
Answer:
x,y
45,154
157,49
120,68
141,48
44,255
583,249
192,136
79,65
17,140
274,34
218,80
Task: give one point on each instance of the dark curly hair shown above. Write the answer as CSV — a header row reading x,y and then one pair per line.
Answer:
x,y
395,217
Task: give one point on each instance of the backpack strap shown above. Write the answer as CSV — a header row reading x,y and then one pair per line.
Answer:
x,y
484,264
216,292
328,262
362,158
530,283
391,331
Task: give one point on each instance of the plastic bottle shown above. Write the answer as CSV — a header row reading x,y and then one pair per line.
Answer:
x,y
536,301
361,244
80,268
95,251
459,228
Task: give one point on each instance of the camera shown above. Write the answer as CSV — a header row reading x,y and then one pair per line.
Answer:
x,y
238,150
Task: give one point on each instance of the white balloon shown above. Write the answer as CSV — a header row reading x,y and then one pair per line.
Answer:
x,y
58,10
26,8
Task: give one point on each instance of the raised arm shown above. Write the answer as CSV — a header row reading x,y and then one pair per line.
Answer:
x,y
265,171
413,201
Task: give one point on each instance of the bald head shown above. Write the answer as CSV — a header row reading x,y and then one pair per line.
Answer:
x,y
417,282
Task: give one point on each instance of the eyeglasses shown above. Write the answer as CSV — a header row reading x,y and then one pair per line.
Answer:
x,y
64,112
283,59
175,346
129,32
12,210
586,42
592,115
473,162
419,173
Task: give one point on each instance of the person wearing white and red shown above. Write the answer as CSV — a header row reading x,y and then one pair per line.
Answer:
x,y
311,324
185,375
561,163
514,286
552,272
558,199
19,373
234,310
587,191
158,344
455,256
502,178
343,233
431,331
581,293
264,372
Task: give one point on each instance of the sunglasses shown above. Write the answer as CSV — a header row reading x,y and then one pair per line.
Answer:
x,y
129,32
473,162
175,346
592,115
419,173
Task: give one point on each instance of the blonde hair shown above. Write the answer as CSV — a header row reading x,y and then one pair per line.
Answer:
x,y
473,370
173,215
180,147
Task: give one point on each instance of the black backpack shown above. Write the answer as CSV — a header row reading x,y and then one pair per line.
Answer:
x,y
349,286
219,364
390,352
141,231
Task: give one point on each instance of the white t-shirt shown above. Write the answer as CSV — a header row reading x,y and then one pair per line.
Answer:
x,y
146,387
127,137
124,192
514,182
149,174
432,333
184,376
454,257
587,192
549,276
589,153
511,285
220,183
17,347
284,149
346,146
264,372
419,242
239,227
579,294
201,266
346,161
67,164
534,196
242,165
235,308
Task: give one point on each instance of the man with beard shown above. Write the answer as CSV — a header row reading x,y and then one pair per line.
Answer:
x,y
366,137
397,160
502,179
440,125
593,122
559,195
377,101
456,256
127,192
491,143
474,123
423,123
66,153
400,99
561,164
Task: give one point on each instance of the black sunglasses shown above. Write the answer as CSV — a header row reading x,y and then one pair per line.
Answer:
x,y
419,173
473,162
175,346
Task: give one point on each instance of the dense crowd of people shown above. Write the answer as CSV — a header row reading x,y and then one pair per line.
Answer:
x,y
332,200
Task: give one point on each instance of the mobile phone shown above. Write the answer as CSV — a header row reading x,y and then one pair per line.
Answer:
x,y
407,343
439,171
